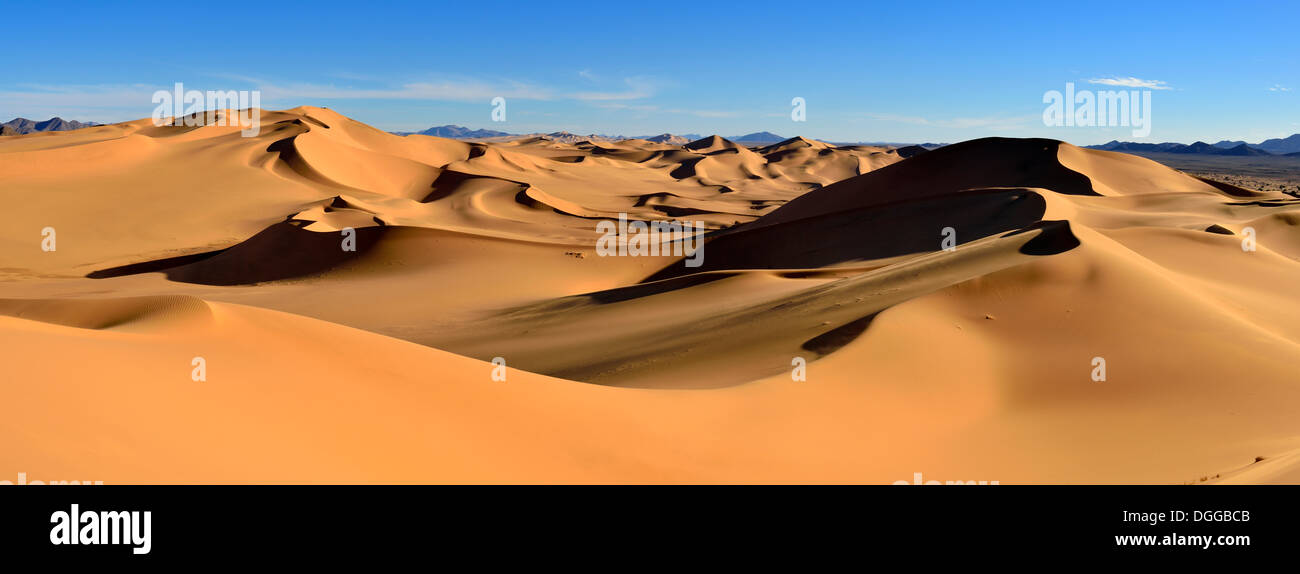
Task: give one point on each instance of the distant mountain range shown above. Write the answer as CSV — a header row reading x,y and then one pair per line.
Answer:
x,y
758,137
675,139
456,132
762,138
1276,146
1171,147
1287,145
20,126
679,139
460,132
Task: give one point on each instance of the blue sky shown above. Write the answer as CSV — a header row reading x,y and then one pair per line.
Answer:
x,y
869,71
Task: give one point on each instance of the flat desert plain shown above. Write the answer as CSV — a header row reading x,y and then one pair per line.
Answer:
x,y
1010,310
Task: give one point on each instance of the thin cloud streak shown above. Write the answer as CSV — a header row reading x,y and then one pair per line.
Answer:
x,y
1131,82
123,101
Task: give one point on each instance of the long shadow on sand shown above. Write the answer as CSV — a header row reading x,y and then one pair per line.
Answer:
x,y
281,251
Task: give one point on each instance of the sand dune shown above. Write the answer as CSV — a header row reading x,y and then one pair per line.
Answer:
x,y
373,365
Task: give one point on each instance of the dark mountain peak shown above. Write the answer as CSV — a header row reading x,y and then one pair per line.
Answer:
x,y
758,137
1198,147
456,132
1286,145
669,139
55,124
1226,144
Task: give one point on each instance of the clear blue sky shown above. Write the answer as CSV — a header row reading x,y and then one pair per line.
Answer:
x,y
869,71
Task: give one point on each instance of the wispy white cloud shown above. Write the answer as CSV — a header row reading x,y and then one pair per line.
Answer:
x,y
134,101
1131,82
139,97
101,103
636,88
459,91
1279,88
661,110
629,107
705,113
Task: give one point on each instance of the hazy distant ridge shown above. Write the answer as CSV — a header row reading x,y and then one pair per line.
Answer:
x,y
19,126
1275,146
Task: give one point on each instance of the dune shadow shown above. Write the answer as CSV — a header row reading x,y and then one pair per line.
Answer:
x,y
1055,237
835,339
282,251
867,233
654,288
153,266
1228,188
451,182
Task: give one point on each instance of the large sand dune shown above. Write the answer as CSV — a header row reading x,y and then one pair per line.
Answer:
x,y
325,365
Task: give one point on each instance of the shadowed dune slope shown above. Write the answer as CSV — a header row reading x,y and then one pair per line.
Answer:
x,y
995,162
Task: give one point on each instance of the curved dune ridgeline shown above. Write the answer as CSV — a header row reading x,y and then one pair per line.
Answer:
x,y
327,364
